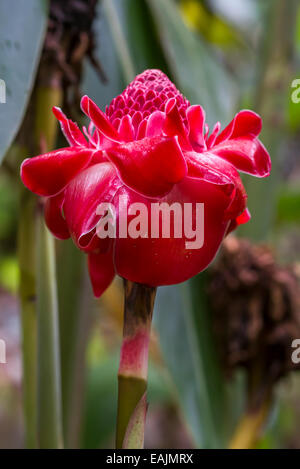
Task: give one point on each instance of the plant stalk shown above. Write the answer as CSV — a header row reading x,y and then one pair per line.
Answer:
x,y
37,134
133,369
49,391
27,293
49,415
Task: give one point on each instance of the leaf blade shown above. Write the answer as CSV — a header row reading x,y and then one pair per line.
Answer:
x,y
21,39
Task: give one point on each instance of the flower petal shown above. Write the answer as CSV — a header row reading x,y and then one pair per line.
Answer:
x,y
167,260
150,166
96,184
246,154
212,168
48,174
54,219
196,119
70,129
99,118
245,123
155,124
101,270
126,129
243,218
212,138
174,125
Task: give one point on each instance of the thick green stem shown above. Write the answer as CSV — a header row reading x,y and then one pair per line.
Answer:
x,y
27,291
49,392
40,119
133,370
41,370
49,375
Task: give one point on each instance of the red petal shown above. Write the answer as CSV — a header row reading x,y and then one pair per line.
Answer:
x,y
166,261
98,183
126,129
150,166
201,166
211,168
196,120
48,174
70,129
101,270
54,219
246,154
141,132
155,124
243,218
174,125
99,118
212,138
245,123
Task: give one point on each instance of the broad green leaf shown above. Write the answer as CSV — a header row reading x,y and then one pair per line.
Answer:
x,y
22,28
145,46
102,93
198,74
181,318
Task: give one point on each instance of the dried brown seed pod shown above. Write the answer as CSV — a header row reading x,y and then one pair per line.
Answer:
x,y
256,312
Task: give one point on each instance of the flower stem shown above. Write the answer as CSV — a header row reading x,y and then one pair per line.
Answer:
x,y
133,369
38,131
49,412
49,392
27,291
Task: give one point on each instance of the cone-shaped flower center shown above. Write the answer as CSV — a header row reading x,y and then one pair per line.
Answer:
x,y
148,93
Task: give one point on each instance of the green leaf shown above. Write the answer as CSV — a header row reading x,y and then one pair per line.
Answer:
x,y
102,93
144,43
198,74
111,14
182,321
22,28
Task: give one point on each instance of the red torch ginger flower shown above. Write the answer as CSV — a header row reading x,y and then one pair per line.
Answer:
x,y
149,146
